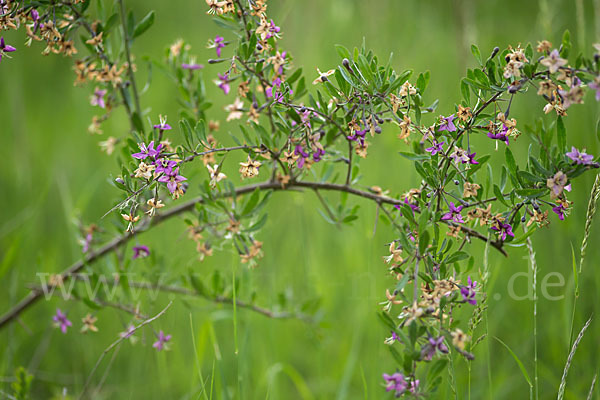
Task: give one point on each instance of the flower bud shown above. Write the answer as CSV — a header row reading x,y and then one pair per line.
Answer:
x,y
456,182
514,88
120,181
523,219
346,65
377,129
495,51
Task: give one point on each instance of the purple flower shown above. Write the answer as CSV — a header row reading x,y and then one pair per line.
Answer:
x,y
358,136
172,179
222,83
471,158
5,48
395,382
147,151
580,157
219,44
303,155
503,229
128,333
468,292
318,155
98,98
140,252
433,345
595,85
269,90
162,339
35,16
61,321
164,166
273,30
305,118
283,55
413,207
560,209
453,214
501,136
192,66
414,386
436,148
447,125
162,126
87,242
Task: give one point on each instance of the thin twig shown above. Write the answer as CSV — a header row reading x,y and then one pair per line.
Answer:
x,y
116,343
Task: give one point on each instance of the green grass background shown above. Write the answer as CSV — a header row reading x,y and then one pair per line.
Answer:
x,y
53,172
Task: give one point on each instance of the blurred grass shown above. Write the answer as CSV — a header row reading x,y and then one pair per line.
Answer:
x,y
53,172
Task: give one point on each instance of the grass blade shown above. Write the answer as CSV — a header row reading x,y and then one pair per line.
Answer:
x,y
591,393
563,381
519,363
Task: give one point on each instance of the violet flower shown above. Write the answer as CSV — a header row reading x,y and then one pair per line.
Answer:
x,y
471,159
5,48
580,157
87,241
35,15
453,214
140,252
192,66
318,155
162,126
303,155
414,386
162,339
501,136
447,125
395,382
595,85
219,44
433,346
147,151
164,166
503,229
283,55
222,83
358,136
468,292
273,30
269,90
172,179
560,209
413,207
436,148
61,321
98,98
128,333
305,118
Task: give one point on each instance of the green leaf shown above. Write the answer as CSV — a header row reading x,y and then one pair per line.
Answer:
x,y
414,157
476,53
466,93
459,255
510,161
519,363
144,24
252,202
343,51
499,196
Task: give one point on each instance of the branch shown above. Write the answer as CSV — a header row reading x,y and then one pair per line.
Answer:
x,y
119,241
